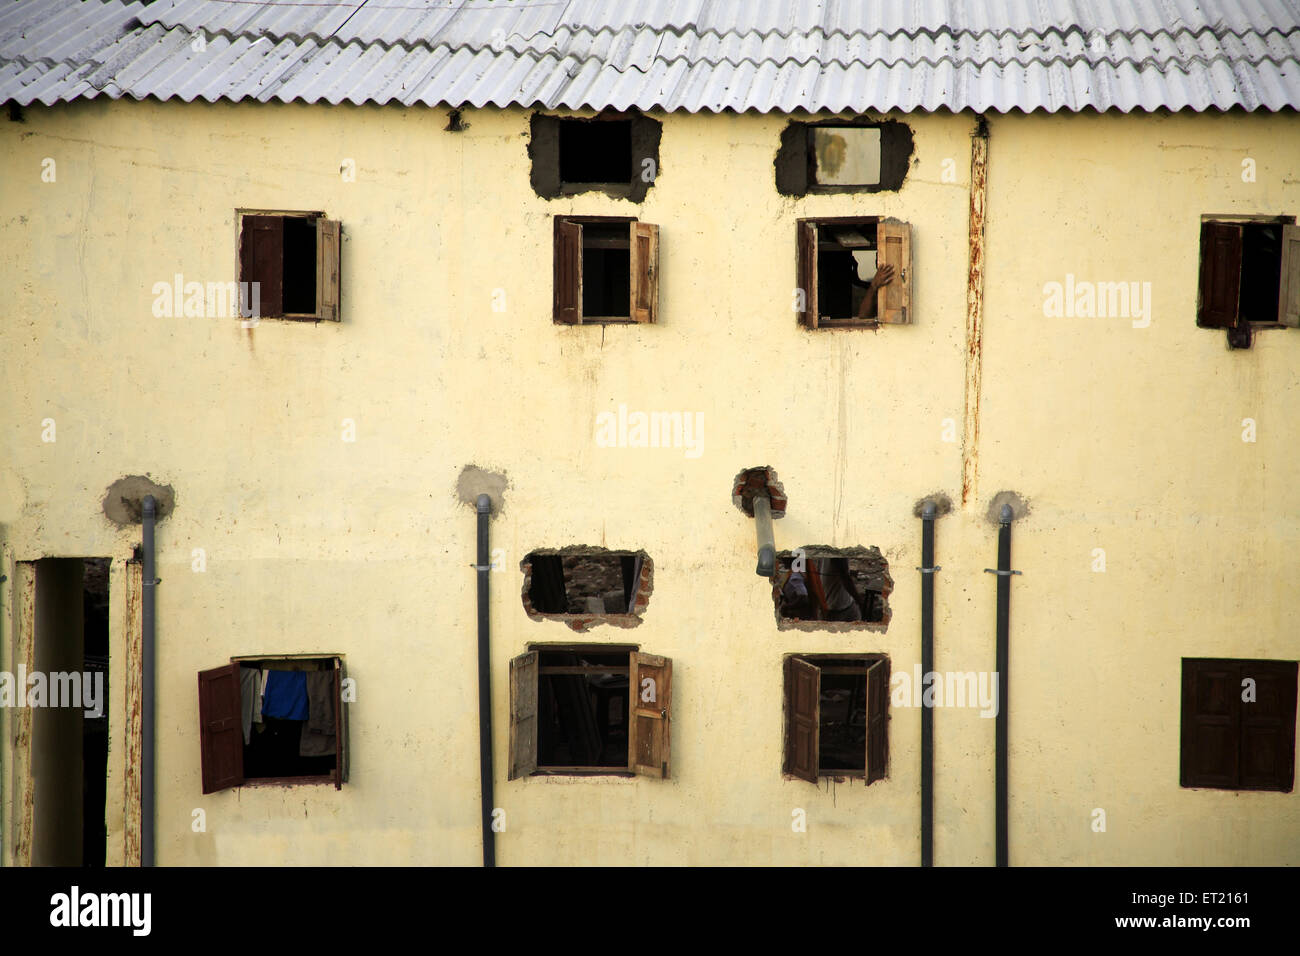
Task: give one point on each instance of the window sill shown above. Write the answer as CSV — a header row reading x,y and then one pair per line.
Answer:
x,y
315,780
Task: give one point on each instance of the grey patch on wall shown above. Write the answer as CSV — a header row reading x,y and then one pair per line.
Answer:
x,y
587,582
475,481
124,500
1019,506
870,572
942,505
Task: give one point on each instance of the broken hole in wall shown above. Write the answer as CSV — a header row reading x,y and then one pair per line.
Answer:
x,y
823,588
586,586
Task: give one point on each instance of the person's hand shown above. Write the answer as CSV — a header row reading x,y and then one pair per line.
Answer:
x,y
884,275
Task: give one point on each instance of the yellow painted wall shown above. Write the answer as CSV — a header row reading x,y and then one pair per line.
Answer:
x,y
1121,438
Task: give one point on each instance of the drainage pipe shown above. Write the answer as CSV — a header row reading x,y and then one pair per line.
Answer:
x,y
485,683
766,542
927,570
1004,573
148,662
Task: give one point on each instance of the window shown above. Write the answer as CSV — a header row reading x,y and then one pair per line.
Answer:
x,y
837,259
1238,724
294,258
606,270
613,153
588,710
273,720
837,716
842,157
584,586
1250,275
817,586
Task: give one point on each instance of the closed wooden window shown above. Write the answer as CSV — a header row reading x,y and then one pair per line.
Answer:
x,y
837,716
296,736
585,709
606,271
836,262
1249,275
1238,724
294,259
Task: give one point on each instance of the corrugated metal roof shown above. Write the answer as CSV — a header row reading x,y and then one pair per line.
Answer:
x,y
764,55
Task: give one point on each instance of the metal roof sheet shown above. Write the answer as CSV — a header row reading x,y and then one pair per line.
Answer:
x,y
764,55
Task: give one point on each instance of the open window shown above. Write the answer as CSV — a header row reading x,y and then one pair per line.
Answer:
x,y
584,709
294,259
836,261
843,156
1238,724
614,153
823,588
274,720
1249,275
837,716
606,270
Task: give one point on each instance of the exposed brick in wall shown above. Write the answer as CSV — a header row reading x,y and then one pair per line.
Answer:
x,y
591,572
870,572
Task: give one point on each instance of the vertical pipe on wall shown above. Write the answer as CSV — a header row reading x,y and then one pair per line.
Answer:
x,y
1004,573
927,570
148,688
485,682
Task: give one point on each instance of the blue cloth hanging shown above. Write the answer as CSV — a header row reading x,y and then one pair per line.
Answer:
x,y
286,695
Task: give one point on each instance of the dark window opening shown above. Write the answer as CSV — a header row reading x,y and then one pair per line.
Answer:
x,y
299,265
846,261
582,709
95,729
585,585
837,716
595,151
1261,269
284,745
606,271
824,586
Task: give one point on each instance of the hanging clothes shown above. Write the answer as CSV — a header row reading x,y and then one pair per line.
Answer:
x,y
250,698
318,733
286,695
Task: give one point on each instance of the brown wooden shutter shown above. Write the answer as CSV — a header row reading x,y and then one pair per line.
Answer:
x,y
261,260
221,730
1288,297
1267,759
877,721
806,272
524,674
894,247
1220,288
649,726
645,272
568,271
328,234
1210,728
803,687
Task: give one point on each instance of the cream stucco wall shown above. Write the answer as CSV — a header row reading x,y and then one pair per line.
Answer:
x,y
1121,438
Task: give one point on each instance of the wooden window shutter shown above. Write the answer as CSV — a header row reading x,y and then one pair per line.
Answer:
x,y
806,272
568,272
803,688
1267,760
1210,729
649,723
877,721
1288,298
327,269
261,260
894,247
1220,287
524,674
221,730
645,272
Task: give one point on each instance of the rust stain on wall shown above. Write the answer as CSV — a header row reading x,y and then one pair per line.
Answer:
x,y
974,312
134,709
25,652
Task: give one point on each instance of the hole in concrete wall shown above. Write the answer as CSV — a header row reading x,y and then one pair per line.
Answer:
x,y
843,156
595,152
614,153
760,480
585,586
821,588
